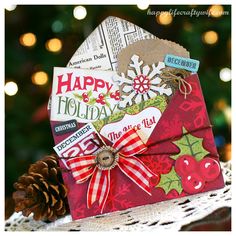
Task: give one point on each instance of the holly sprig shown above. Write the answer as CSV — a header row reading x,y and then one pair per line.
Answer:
x,y
190,145
88,98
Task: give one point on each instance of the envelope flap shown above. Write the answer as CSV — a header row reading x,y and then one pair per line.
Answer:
x,y
189,113
100,49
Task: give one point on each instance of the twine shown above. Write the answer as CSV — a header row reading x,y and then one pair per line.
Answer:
x,y
153,144
184,87
171,139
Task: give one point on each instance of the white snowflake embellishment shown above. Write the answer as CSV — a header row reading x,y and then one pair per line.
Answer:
x,y
141,82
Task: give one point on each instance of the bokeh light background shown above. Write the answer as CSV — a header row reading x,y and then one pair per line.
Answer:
x,y
37,38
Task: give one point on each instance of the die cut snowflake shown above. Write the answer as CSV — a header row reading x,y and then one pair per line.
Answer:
x,y
141,83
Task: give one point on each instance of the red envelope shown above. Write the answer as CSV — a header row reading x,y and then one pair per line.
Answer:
x,y
183,127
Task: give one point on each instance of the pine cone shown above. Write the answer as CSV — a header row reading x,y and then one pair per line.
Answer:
x,y
42,191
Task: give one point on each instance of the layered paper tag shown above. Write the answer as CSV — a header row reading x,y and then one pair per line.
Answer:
x,y
143,117
83,95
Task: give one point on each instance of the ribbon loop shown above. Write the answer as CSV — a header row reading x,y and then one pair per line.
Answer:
x,y
82,167
130,144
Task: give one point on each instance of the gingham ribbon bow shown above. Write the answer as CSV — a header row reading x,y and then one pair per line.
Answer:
x,y
128,145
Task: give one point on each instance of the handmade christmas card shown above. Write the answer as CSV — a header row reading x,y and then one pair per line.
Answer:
x,y
137,134
141,157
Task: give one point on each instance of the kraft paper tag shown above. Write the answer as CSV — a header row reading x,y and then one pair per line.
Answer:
x,y
151,51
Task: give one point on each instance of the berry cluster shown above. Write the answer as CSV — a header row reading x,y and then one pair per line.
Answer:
x,y
195,174
115,95
100,99
85,97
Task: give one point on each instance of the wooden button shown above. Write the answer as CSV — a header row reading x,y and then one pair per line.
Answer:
x,y
106,158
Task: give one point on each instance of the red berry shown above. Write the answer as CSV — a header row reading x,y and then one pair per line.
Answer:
x,y
85,95
101,96
192,183
117,98
185,164
98,100
209,168
102,102
112,95
117,92
85,99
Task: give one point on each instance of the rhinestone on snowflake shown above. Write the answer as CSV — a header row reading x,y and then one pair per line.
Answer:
x,y
141,83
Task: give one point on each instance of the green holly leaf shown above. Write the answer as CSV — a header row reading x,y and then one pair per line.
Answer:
x,y
190,145
78,96
92,101
90,93
170,181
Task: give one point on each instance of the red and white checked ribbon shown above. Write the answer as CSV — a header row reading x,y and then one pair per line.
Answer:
x,y
128,145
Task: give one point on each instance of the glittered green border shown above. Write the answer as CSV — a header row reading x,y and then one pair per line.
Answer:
x,y
159,101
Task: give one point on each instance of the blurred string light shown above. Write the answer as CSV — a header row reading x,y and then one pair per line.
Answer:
x,y
227,152
10,7
53,45
165,18
80,12
219,141
216,10
220,104
225,74
39,78
227,113
28,39
210,37
143,5
222,107
57,26
11,88
188,26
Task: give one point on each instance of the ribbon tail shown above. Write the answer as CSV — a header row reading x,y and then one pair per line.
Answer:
x,y
137,172
105,190
99,187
